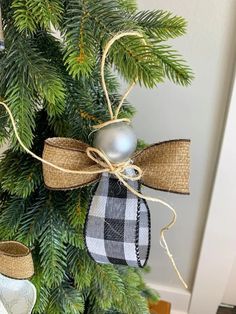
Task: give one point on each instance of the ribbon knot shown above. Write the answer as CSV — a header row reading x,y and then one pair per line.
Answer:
x,y
119,169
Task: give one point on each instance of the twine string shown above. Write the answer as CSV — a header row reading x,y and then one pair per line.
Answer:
x,y
119,168
114,116
163,242
103,124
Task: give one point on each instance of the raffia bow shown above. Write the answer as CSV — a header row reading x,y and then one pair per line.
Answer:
x,y
15,260
164,166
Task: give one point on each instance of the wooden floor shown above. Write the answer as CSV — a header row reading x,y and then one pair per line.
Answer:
x,y
225,310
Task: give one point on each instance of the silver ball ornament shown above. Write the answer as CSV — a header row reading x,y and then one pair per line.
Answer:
x,y
117,140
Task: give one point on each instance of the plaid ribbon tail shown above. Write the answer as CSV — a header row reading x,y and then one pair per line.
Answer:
x,y
117,229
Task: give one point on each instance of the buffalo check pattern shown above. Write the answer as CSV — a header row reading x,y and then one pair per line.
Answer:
x,y
117,229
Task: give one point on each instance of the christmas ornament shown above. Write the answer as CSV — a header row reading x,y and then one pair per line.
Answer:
x,y
2,45
17,294
117,141
117,229
2,308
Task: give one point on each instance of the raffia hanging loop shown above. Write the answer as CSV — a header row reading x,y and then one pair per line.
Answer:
x,y
15,260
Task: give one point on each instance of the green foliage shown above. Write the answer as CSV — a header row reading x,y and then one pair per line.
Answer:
x,y
80,49
11,216
19,174
53,250
20,103
43,292
140,61
53,88
89,24
128,5
29,82
173,65
30,15
65,299
161,25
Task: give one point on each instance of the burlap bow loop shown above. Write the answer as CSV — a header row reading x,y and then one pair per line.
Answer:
x,y
15,260
163,166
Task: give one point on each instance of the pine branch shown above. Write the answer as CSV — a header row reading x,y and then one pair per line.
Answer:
x,y
52,249
43,293
32,223
31,14
80,50
45,81
135,59
132,302
128,5
109,18
174,67
161,25
20,175
20,103
80,263
11,215
28,82
66,299
108,281
3,124
42,300
75,208
132,56
72,300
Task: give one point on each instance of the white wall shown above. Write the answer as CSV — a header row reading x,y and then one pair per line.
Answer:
x,y
230,291
218,247
196,113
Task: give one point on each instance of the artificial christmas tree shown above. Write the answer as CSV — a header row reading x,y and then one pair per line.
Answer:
x,y
53,88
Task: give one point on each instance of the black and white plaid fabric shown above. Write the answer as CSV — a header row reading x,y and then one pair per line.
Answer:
x,y
117,229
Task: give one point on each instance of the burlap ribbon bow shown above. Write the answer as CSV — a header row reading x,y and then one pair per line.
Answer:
x,y
15,260
165,166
